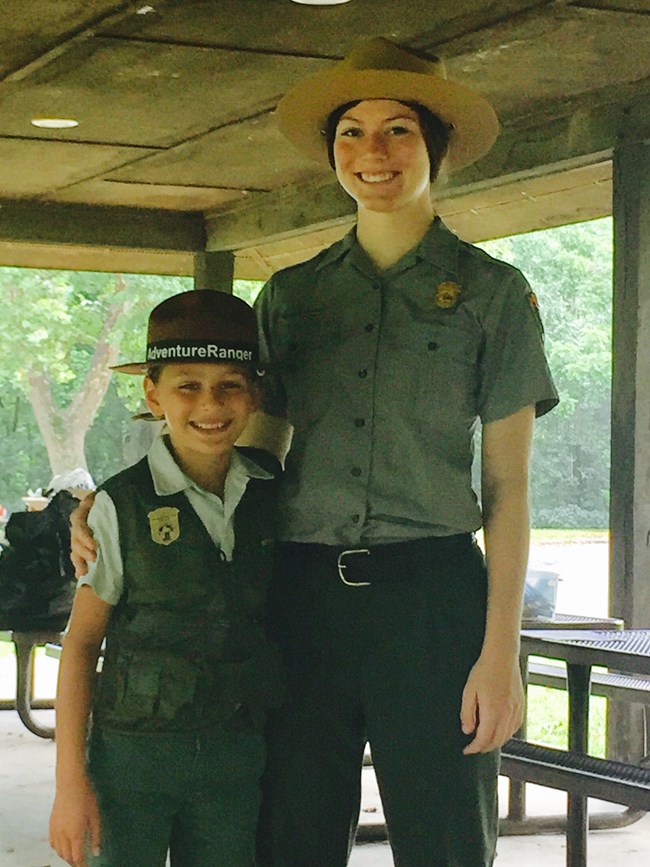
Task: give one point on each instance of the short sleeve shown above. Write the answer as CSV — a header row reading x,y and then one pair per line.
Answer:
x,y
106,575
514,372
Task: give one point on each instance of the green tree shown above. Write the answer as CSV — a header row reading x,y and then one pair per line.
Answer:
x,y
60,333
570,270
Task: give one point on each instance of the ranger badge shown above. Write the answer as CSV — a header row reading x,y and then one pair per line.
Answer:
x,y
447,295
164,524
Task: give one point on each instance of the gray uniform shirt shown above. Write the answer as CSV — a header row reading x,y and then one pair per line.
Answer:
x,y
385,378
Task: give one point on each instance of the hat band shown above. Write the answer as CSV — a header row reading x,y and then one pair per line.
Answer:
x,y
162,351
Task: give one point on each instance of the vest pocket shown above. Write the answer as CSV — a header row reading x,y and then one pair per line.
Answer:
x,y
151,689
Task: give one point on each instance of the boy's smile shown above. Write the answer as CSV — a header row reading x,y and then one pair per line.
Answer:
x,y
206,407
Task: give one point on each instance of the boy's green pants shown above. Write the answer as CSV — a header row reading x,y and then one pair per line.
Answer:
x,y
195,795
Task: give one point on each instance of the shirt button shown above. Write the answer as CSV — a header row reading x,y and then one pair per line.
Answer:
x,y
359,422
370,327
356,471
363,373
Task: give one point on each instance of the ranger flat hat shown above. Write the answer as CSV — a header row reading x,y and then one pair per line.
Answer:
x,y
380,69
200,326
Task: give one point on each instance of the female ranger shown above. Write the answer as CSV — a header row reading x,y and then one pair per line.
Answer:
x,y
389,348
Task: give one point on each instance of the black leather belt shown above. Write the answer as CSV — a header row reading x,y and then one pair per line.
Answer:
x,y
364,566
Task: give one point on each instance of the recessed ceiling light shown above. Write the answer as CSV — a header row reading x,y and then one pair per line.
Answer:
x,y
54,122
321,2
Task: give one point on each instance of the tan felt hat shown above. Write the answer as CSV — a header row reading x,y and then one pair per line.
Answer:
x,y
200,326
380,69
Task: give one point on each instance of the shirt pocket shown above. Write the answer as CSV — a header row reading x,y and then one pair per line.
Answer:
x,y
307,343
445,351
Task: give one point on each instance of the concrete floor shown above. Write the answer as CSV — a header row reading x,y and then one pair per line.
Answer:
x,y
26,790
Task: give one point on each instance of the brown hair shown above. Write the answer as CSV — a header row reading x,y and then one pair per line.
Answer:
x,y
434,132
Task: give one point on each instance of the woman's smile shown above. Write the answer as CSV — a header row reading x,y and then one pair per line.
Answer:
x,y
377,177
381,156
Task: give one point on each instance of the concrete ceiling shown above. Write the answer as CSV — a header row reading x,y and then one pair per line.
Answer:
x,y
176,151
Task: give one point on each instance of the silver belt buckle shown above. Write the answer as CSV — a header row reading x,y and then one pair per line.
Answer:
x,y
342,567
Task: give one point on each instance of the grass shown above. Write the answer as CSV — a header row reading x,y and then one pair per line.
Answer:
x,y
547,721
6,647
567,536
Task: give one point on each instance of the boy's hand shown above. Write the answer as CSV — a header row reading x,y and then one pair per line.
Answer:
x,y
83,548
74,823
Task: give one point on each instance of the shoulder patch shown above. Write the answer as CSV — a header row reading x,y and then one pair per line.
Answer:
x,y
534,306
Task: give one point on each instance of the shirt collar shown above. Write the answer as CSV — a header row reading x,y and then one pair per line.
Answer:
x,y
338,249
169,478
439,247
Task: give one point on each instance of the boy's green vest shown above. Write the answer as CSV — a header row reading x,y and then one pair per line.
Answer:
x,y
186,646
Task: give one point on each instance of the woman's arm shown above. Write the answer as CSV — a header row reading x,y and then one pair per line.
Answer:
x,y
493,699
75,817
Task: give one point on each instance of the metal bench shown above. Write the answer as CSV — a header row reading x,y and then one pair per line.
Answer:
x,y
609,685
592,777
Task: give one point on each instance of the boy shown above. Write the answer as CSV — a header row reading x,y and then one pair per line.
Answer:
x,y
176,749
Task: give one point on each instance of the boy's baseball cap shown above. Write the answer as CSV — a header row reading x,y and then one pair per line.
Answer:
x,y
200,326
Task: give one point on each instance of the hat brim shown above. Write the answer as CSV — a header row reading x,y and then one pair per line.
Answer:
x,y
133,367
303,112
140,367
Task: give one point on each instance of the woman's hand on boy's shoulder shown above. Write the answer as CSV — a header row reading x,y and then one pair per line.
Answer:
x,y
83,549
74,822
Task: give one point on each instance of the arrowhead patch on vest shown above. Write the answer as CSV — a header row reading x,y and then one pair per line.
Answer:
x,y
447,294
164,524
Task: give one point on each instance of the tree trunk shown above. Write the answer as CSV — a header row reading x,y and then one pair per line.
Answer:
x,y
64,429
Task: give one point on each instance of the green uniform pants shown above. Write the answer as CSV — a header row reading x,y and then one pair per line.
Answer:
x,y
193,795
384,664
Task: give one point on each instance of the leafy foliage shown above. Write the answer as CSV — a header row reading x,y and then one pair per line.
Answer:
x,y
570,271
52,321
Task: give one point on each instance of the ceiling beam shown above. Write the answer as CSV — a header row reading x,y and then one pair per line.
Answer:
x,y
90,28
36,222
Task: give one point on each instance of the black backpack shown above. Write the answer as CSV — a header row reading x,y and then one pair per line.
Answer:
x,y
37,581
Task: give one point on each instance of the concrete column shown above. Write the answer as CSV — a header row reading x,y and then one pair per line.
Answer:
x,y
630,464
214,270
630,473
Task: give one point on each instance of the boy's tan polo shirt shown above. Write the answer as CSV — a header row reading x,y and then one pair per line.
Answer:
x,y
385,379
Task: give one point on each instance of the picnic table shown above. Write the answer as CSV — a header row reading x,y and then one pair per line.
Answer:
x,y
24,703
619,650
